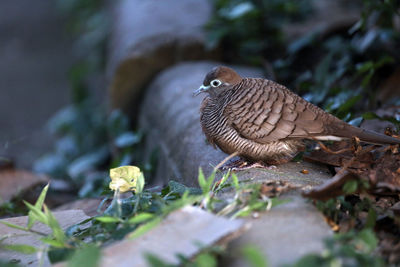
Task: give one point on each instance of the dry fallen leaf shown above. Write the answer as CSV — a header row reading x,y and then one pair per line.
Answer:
x,y
126,178
378,166
304,171
274,188
14,182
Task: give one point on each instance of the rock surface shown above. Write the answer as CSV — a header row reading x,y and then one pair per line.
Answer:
x,y
143,44
65,218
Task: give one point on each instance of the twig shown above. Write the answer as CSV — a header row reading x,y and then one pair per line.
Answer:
x,y
330,151
234,154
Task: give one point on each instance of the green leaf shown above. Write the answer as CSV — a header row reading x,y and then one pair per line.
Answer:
x,y
59,254
25,249
86,257
155,261
350,186
53,242
58,232
141,217
206,260
14,226
371,218
364,67
140,184
36,213
383,61
42,196
369,238
38,205
312,260
370,116
346,106
279,201
108,219
223,181
235,181
144,228
4,263
127,139
210,181
254,256
366,80
202,181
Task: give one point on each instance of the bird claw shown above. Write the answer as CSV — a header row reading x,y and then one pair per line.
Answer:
x,y
241,165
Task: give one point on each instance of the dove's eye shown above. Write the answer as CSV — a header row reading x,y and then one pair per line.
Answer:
x,y
215,83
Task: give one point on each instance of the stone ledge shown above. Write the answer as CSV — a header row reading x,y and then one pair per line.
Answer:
x,y
66,218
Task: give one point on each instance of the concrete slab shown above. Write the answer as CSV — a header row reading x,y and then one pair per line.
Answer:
x,y
284,234
65,218
184,232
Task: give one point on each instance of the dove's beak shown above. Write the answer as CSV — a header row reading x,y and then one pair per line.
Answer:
x,y
201,89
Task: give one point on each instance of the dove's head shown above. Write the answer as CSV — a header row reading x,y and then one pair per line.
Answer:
x,y
218,80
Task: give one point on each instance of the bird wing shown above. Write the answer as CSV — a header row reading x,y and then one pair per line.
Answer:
x,y
265,111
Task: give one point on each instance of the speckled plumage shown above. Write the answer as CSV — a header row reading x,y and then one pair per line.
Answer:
x,y
265,121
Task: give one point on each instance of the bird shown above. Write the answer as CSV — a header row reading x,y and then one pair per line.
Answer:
x,y
263,121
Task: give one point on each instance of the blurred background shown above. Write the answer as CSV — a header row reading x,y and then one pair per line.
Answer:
x,y
36,55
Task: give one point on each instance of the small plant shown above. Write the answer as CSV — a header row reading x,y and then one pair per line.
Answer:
x,y
133,216
89,142
347,249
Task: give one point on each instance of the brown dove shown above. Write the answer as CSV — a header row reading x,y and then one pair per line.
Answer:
x,y
261,120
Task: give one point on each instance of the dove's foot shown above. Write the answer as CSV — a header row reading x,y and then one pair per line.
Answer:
x,y
241,165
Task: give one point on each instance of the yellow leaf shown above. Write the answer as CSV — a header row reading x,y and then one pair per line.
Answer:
x,y
125,178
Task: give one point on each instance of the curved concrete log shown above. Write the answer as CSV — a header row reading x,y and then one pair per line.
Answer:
x,y
147,37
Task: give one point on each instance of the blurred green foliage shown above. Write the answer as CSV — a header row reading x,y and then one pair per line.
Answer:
x,y
87,21
250,29
135,215
347,249
338,71
90,140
